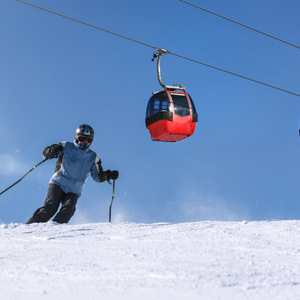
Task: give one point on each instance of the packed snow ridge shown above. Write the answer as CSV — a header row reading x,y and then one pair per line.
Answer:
x,y
202,260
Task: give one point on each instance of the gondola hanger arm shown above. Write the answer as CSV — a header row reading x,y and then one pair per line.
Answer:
x,y
159,54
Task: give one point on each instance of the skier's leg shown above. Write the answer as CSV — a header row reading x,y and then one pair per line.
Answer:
x,y
67,210
50,206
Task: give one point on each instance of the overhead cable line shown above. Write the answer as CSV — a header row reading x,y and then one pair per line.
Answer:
x,y
241,76
271,36
136,41
84,23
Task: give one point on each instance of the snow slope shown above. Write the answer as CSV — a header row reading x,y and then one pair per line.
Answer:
x,y
202,260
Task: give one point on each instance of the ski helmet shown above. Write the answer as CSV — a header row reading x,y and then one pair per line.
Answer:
x,y
84,132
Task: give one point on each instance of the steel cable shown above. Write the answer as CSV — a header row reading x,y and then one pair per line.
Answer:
x,y
153,47
271,36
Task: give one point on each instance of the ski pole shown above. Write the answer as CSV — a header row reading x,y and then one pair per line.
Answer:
x,y
24,175
112,199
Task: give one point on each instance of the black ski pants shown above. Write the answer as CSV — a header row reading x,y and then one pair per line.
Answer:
x,y
55,197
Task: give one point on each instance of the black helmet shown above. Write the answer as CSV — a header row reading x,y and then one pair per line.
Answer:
x,y
84,131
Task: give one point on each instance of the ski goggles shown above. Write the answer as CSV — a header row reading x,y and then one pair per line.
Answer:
x,y
85,138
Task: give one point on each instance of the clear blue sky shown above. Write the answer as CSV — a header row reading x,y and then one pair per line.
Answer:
x,y
242,163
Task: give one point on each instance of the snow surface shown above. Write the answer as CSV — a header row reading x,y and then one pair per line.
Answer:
x,y
202,260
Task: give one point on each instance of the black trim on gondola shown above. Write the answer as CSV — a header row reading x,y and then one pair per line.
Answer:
x,y
161,115
195,117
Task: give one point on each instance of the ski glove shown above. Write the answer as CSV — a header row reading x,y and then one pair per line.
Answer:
x,y
112,175
55,151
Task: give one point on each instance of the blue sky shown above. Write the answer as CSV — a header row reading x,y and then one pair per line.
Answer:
x,y
242,163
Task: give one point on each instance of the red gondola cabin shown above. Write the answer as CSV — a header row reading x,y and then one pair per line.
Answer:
x,y
171,116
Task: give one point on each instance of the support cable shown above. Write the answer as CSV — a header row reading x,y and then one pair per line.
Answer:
x,y
271,36
231,73
136,41
84,23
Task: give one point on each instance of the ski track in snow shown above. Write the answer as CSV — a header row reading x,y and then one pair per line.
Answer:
x,y
201,260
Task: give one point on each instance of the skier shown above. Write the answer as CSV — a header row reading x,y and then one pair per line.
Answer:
x,y
75,162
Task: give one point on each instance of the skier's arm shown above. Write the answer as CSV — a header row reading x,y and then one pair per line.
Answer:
x,y
53,151
97,172
99,175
